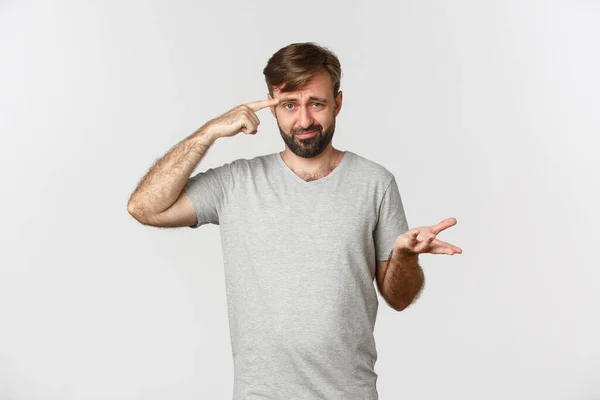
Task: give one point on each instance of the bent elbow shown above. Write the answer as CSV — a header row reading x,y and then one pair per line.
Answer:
x,y
135,212
131,209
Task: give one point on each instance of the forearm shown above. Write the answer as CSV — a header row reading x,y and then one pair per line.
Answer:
x,y
163,184
403,280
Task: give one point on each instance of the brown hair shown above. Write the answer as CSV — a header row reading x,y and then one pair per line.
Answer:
x,y
294,64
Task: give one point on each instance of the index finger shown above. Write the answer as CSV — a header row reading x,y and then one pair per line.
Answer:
x,y
447,223
259,105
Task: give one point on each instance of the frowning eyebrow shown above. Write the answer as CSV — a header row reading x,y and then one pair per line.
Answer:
x,y
322,100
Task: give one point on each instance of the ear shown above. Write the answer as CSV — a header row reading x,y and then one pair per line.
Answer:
x,y
271,107
338,103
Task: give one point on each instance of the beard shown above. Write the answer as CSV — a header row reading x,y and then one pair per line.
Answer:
x,y
309,147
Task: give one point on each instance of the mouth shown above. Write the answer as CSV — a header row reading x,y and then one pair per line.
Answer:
x,y
307,135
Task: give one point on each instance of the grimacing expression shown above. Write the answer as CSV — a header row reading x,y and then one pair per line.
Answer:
x,y
312,108
308,147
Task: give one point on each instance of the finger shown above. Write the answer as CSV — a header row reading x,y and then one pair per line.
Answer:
x,y
250,114
248,126
412,237
259,105
434,248
445,224
445,245
425,244
422,236
441,250
409,239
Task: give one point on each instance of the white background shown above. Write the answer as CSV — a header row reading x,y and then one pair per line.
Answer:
x,y
484,111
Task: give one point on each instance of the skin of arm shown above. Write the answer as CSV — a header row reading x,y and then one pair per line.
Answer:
x,y
400,279
158,192
164,182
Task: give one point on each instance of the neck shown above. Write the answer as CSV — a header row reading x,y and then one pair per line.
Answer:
x,y
323,163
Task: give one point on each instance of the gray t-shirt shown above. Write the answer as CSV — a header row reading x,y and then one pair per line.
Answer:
x,y
299,262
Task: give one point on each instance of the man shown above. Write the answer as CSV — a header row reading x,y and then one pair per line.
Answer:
x,y
304,234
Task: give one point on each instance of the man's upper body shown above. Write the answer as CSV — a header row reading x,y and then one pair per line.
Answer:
x,y
300,263
305,233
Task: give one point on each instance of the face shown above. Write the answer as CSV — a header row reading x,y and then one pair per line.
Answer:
x,y
311,109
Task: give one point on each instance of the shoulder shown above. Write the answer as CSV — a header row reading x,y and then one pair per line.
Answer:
x,y
371,170
243,166
243,169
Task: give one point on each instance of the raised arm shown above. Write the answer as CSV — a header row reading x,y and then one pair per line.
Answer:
x,y
159,199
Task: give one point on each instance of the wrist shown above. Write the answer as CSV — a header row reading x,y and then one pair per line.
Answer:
x,y
204,137
404,253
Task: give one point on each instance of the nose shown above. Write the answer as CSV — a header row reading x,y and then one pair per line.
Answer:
x,y
304,118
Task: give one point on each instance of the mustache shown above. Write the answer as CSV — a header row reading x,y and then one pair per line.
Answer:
x,y
309,129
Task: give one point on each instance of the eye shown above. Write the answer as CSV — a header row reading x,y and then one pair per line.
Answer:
x,y
319,104
287,104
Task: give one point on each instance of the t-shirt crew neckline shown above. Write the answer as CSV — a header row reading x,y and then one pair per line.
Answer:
x,y
295,177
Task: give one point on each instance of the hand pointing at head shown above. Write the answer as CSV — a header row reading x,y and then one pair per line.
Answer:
x,y
242,118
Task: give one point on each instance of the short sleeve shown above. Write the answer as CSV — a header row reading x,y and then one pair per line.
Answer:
x,y
210,192
391,222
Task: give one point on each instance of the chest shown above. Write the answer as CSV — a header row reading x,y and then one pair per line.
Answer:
x,y
303,224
